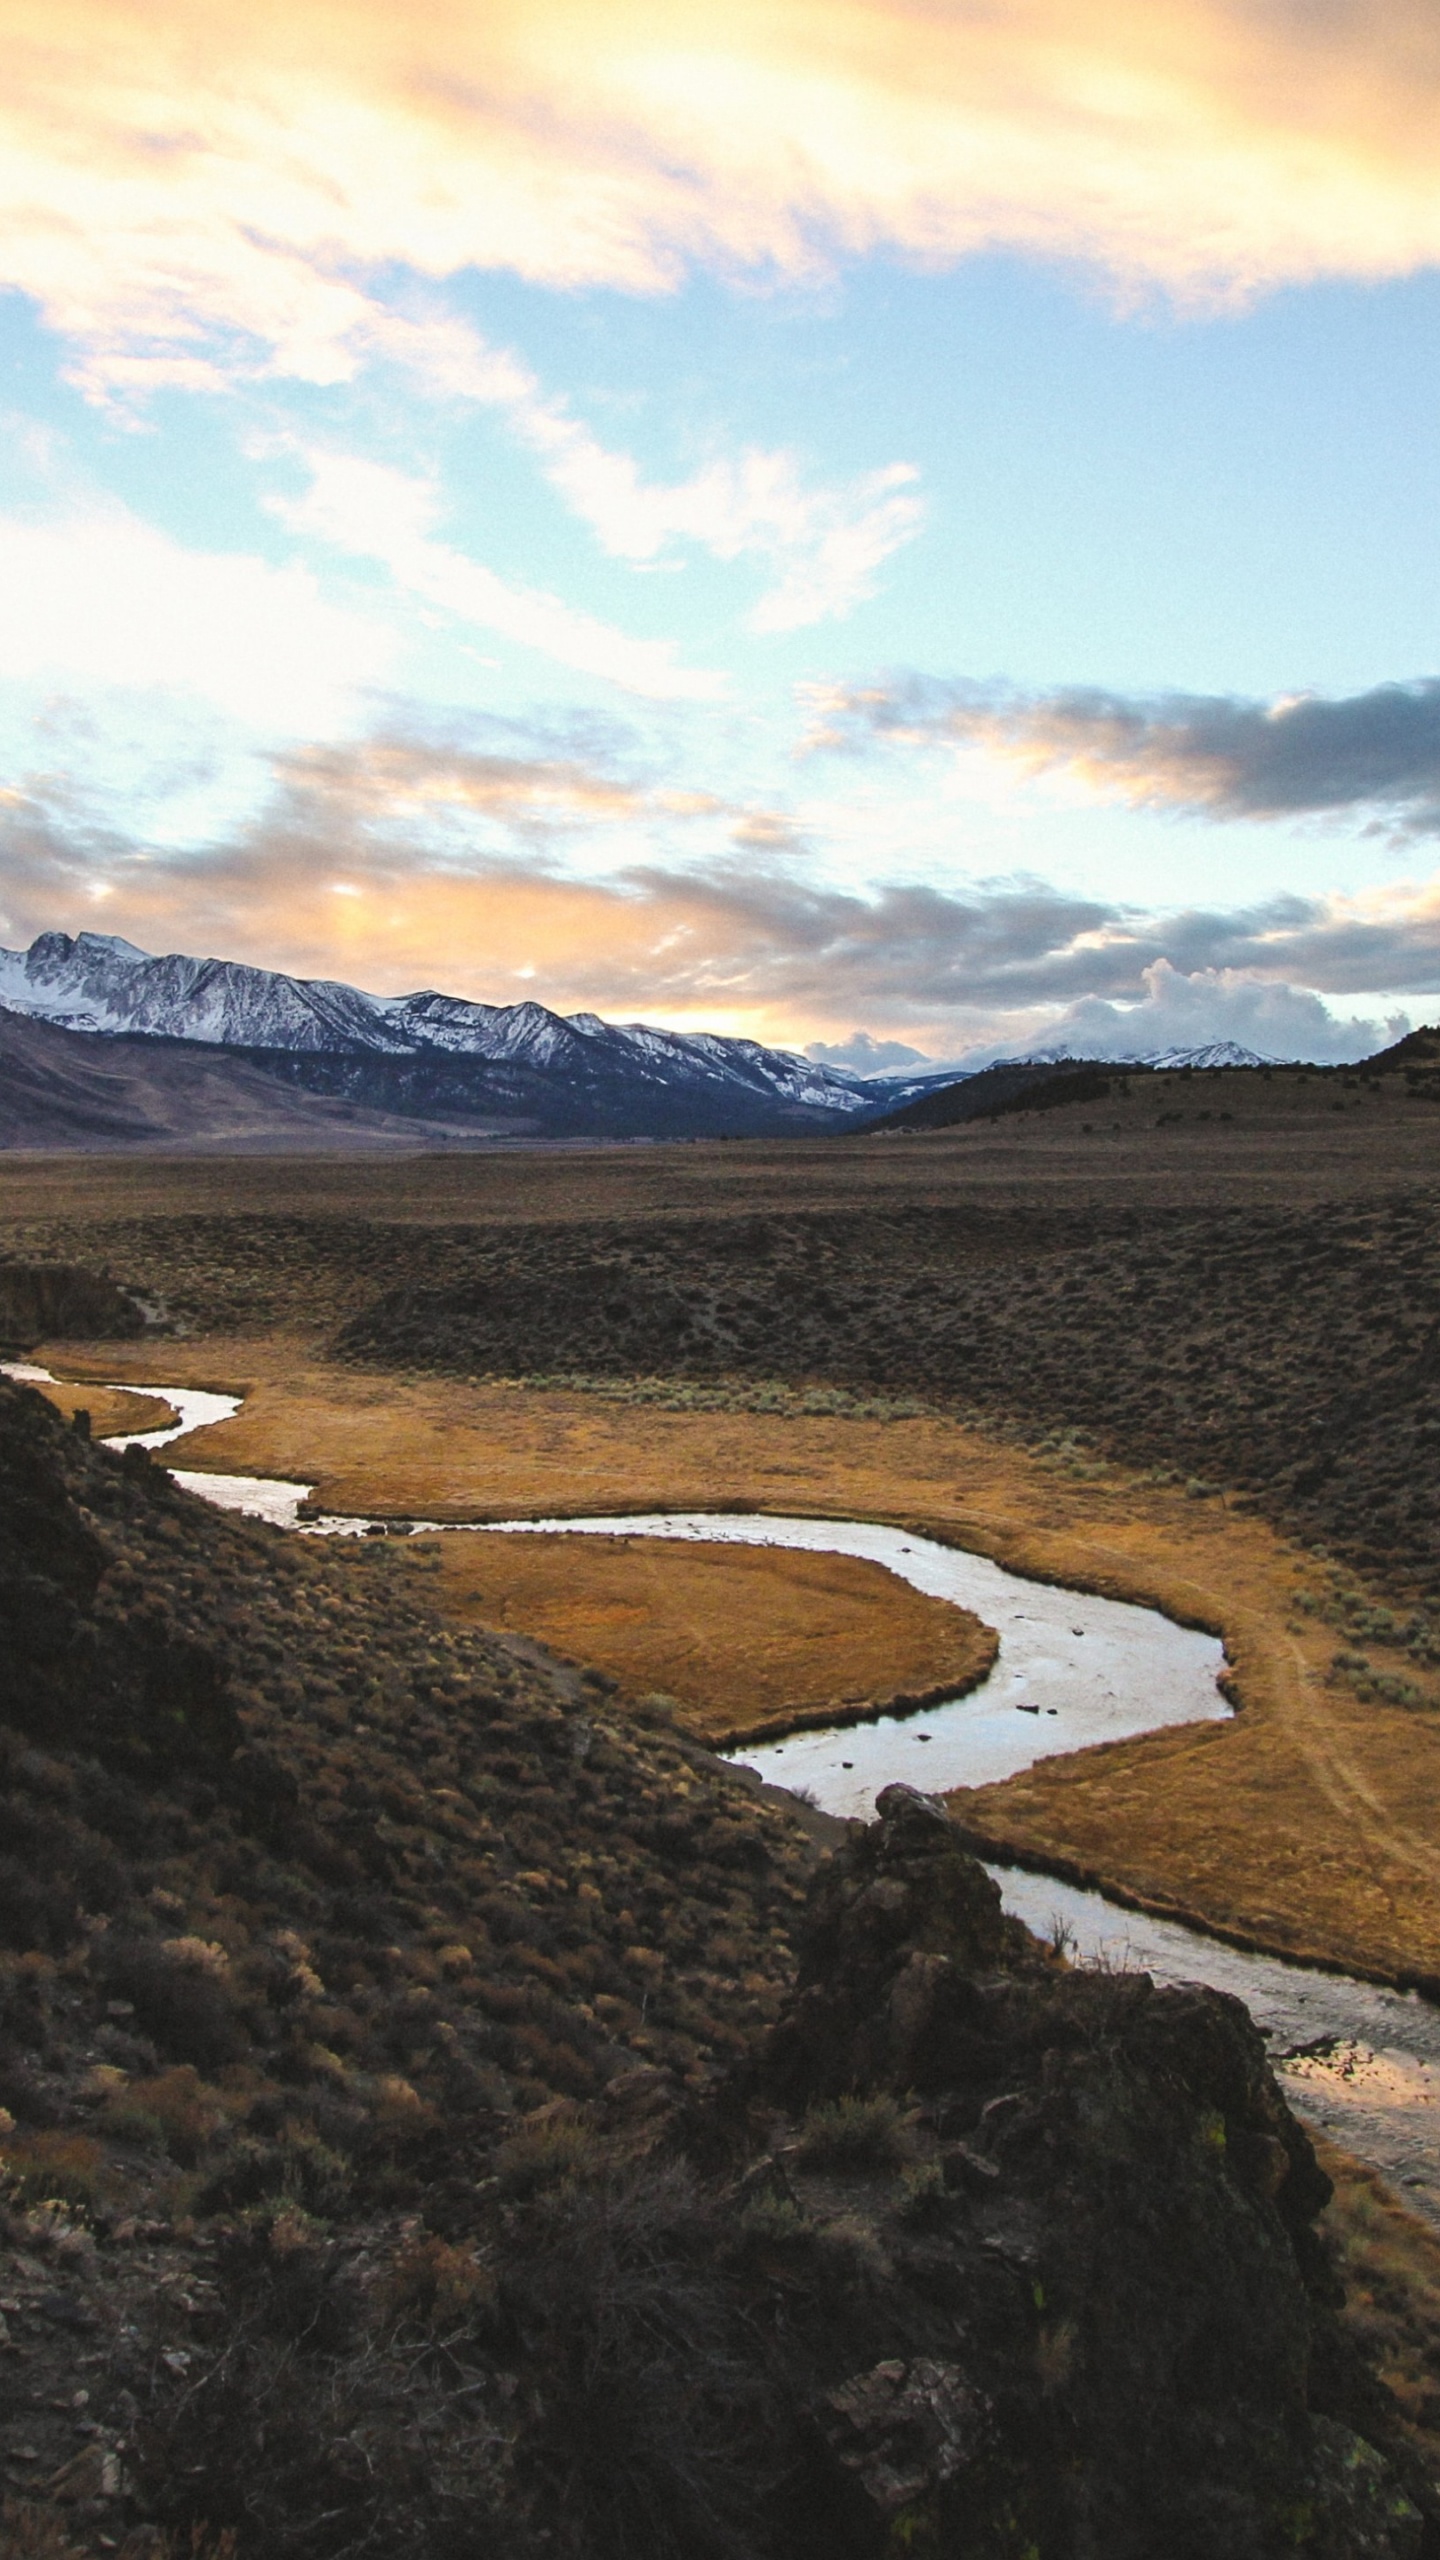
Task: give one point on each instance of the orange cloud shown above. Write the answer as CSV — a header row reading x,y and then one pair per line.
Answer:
x,y
398,866
180,178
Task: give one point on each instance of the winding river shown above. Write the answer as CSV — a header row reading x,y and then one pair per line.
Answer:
x,y
1360,2061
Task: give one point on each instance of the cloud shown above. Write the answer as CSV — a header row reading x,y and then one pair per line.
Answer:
x,y
1208,755
185,189
1179,1012
866,1055
411,860
99,597
824,545
376,513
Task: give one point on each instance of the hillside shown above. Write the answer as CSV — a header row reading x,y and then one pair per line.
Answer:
x,y
1295,1354
63,1090
1018,1084
610,2228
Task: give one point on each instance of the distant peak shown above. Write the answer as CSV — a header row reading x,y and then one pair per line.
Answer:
x,y
84,946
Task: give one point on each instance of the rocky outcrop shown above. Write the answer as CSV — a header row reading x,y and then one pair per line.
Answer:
x,y
1107,2325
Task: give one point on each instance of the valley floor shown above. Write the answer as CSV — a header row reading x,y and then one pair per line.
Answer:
x,y
1310,1825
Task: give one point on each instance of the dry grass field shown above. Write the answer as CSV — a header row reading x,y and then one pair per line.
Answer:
x,y
745,1641
1298,1135
112,1410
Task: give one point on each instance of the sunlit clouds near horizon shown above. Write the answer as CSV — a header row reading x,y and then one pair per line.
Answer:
x,y
899,529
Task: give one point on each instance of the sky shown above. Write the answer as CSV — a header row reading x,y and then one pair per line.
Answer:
x,y
905,528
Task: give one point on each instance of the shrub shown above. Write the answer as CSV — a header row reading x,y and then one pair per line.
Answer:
x,y
649,2440
923,2199
34,2533
530,2162
436,2284
68,2168
771,2220
857,2133
36,1909
41,1301
183,2002
185,2113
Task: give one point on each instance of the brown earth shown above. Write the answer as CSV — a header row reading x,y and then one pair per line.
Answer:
x,y
1290,1137
1305,1826
1309,1826
1249,1298
745,1642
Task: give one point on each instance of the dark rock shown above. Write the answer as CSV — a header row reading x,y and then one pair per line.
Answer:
x,y
1128,2252
903,2430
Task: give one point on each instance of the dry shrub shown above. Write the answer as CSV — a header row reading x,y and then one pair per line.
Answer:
x,y
530,2162
399,2111
36,1909
558,2065
857,2133
185,2004
68,2168
1389,2263
310,2446
34,2533
43,1301
185,2112
434,2283
649,2441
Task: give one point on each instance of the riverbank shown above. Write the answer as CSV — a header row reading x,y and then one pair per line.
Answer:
x,y
1310,1825
1362,2063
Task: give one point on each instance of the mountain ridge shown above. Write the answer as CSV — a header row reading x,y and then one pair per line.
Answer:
x,y
281,1060
97,983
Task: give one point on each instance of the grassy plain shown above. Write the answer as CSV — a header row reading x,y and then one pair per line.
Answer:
x,y
747,1641
1293,1137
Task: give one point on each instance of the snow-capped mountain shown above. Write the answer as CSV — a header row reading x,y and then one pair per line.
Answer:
x,y
415,1055
1217,1053
614,1075
899,1090
96,982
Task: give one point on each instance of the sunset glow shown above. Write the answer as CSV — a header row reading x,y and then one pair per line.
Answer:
x,y
915,514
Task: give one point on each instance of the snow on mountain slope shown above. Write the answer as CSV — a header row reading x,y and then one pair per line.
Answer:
x,y
94,982
636,1075
1218,1053
1215,1053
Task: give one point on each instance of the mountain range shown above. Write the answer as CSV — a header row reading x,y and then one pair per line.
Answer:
x,y
140,1049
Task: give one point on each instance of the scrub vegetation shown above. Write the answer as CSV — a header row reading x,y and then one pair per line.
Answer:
x,y
445,2112
329,2230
